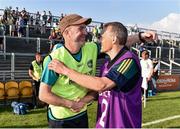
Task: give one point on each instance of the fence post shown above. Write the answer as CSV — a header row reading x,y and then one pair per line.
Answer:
x,y
27,33
38,44
12,65
170,67
27,30
158,52
158,57
4,45
171,54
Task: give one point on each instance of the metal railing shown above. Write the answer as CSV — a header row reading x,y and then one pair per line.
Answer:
x,y
171,59
11,72
16,75
28,44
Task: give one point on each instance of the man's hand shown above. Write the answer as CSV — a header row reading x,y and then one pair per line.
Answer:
x,y
34,78
77,106
149,36
57,67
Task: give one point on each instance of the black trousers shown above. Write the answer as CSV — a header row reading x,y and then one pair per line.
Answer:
x,y
35,92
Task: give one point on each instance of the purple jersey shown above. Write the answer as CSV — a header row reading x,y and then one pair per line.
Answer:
x,y
117,109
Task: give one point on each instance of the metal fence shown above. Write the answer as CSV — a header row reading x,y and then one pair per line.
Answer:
x,y
26,44
14,66
9,68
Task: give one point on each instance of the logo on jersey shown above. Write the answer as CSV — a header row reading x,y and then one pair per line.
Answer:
x,y
90,63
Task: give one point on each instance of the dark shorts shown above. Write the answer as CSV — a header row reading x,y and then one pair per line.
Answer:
x,y
77,122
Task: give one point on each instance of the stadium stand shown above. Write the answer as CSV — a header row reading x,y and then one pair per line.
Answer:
x,y
19,51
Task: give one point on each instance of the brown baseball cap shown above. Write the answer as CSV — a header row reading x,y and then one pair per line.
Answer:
x,y
72,19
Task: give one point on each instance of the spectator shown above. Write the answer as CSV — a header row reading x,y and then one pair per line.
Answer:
x,y
35,71
17,11
44,18
141,47
100,28
95,34
135,29
53,35
24,10
12,25
37,18
147,71
50,18
156,68
61,17
43,29
20,25
37,22
31,20
2,33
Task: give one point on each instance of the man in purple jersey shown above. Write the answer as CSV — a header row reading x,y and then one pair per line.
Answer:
x,y
119,104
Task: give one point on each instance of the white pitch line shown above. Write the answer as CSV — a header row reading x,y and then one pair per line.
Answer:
x,y
161,120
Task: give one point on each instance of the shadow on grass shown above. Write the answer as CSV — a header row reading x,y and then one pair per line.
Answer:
x,y
174,127
164,98
26,126
37,111
5,108
30,111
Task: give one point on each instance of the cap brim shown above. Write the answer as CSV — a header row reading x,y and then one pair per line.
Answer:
x,y
85,21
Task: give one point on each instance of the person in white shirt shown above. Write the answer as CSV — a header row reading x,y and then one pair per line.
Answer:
x,y
147,70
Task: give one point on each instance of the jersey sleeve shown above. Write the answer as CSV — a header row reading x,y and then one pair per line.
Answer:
x,y
48,77
31,67
125,75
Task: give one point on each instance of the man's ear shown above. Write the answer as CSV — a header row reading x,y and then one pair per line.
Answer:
x,y
114,39
65,32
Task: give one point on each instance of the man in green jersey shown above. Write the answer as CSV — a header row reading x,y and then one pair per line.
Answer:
x,y
67,100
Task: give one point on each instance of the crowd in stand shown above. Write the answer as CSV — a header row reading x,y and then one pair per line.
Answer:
x,y
14,21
